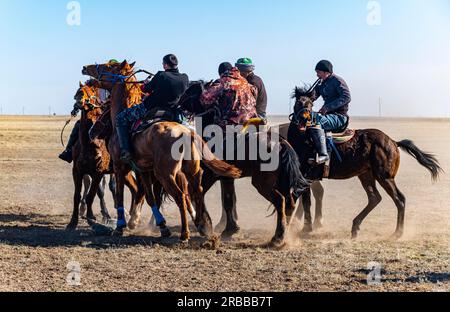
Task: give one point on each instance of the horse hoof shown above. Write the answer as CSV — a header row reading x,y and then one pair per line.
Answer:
x,y
71,227
205,231
165,232
277,243
308,229
184,239
132,224
228,233
220,228
396,236
317,225
117,233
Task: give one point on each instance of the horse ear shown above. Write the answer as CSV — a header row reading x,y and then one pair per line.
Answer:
x,y
81,84
124,63
132,64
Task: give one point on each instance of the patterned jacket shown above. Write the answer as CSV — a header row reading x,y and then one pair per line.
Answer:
x,y
235,97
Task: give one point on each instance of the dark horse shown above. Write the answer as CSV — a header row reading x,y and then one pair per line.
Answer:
x,y
90,158
370,155
278,186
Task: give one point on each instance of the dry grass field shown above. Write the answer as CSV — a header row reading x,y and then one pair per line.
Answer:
x,y
36,202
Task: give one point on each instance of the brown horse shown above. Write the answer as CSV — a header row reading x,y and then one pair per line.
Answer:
x,y
276,185
90,158
181,176
370,155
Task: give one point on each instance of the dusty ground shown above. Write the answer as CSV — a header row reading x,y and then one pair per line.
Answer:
x,y
36,200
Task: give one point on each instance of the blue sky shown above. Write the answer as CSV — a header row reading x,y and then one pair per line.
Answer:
x,y
405,60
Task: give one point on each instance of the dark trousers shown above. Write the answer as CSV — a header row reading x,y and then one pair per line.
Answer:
x,y
73,136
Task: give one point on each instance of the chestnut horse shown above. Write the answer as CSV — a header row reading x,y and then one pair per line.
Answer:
x,y
370,155
180,176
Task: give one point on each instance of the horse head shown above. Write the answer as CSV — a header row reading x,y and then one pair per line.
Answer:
x,y
88,100
304,101
190,100
110,73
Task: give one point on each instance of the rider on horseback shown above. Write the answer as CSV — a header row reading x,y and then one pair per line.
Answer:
x,y
165,90
235,96
246,67
66,155
333,116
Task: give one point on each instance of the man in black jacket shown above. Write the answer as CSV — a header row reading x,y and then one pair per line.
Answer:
x,y
247,68
333,116
165,90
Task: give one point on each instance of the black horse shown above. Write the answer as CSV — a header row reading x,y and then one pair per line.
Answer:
x,y
279,186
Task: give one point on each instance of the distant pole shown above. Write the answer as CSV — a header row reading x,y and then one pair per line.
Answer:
x,y
49,110
23,110
380,103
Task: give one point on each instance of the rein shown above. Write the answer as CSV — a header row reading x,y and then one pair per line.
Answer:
x,y
62,131
117,78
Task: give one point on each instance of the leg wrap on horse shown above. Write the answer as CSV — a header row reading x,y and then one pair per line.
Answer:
x,y
121,221
159,218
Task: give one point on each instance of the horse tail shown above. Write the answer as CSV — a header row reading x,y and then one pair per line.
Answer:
x,y
217,166
427,160
291,176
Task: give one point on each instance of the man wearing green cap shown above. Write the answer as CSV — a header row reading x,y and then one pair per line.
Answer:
x,y
246,67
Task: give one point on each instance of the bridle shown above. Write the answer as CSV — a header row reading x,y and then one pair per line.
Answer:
x,y
105,76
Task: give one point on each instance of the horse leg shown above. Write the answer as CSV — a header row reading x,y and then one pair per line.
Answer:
x,y
229,204
87,186
300,210
112,187
91,196
78,182
120,185
306,202
101,196
202,218
207,182
137,200
318,192
148,183
176,186
399,200
369,184
280,233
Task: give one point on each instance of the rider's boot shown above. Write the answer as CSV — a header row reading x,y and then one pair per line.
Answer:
x,y
319,140
124,142
67,154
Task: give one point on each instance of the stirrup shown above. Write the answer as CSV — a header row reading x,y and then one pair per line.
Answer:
x,y
319,160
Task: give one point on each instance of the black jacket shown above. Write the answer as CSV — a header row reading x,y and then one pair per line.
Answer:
x,y
166,89
261,101
335,93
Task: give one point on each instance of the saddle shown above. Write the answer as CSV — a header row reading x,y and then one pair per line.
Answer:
x,y
153,117
333,140
344,137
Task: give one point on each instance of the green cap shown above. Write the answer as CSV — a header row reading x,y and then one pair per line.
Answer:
x,y
113,61
244,61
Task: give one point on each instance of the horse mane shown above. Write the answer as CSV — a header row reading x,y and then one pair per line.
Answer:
x,y
134,92
302,91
